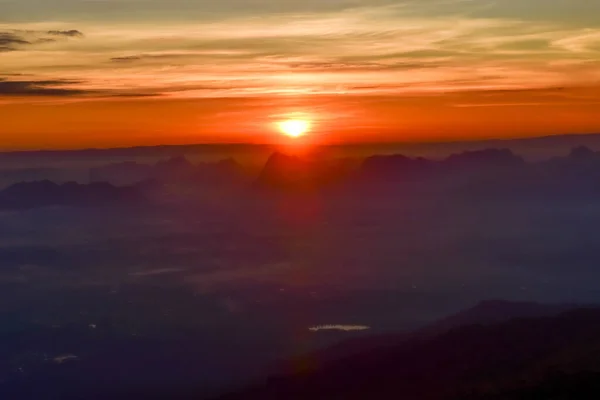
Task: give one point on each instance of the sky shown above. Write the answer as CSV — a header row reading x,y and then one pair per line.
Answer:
x,y
108,73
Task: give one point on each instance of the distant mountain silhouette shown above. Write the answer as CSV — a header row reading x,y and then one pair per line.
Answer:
x,y
46,193
489,172
537,148
395,167
552,357
125,173
581,160
488,158
176,169
401,168
15,175
297,173
474,175
223,172
582,153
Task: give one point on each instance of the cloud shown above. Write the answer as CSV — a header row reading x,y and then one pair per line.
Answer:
x,y
126,59
350,47
572,11
64,88
359,66
54,88
10,41
343,328
134,95
17,39
69,33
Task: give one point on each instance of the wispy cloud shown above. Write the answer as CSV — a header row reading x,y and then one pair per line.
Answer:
x,y
10,41
69,33
58,88
17,39
343,328
382,48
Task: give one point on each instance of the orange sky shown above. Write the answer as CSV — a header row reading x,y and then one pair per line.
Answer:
x,y
336,119
92,74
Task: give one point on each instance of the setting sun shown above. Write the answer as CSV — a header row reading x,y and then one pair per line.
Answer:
x,y
294,127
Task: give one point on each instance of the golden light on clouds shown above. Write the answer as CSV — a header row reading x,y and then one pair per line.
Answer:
x,y
395,70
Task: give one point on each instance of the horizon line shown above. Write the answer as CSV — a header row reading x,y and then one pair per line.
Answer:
x,y
331,144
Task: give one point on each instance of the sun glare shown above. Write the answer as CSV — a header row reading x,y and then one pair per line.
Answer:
x,y
294,128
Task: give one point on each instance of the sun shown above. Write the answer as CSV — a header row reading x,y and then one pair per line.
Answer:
x,y
294,128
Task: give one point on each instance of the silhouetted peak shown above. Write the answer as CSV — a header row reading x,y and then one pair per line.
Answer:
x,y
174,169
125,173
475,362
290,165
496,311
279,158
392,165
497,304
101,186
285,166
35,186
388,160
176,162
582,153
391,161
289,171
228,163
47,193
493,157
123,164
70,186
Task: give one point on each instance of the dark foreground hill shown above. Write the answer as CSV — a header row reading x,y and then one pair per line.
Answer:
x,y
478,347
486,313
555,357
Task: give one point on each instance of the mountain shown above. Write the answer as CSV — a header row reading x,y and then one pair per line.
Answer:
x,y
487,312
581,160
45,193
77,361
497,174
551,357
290,172
395,167
125,173
537,148
487,159
287,172
489,174
173,169
12,175
176,169
491,312
469,164
221,173
583,153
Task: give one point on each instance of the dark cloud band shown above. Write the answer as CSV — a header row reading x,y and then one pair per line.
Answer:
x,y
10,41
38,88
70,33
14,40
